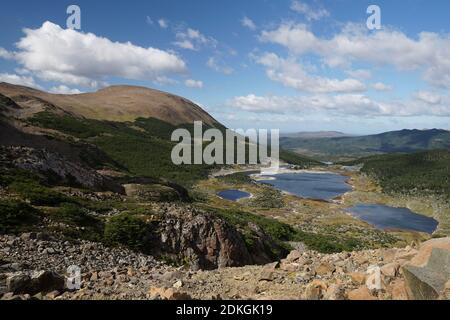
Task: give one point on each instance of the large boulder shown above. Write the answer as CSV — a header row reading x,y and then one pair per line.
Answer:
x,y
206,240
427,273
18,283
42,281
47,281
202,240
422,257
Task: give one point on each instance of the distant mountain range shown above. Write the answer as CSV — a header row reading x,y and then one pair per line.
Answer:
x,y
404,141
314,135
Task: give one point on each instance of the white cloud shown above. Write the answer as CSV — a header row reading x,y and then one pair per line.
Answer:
x,y
361,74
292,74
379,86
338,105
163,23
428,97
232,52
193,39
219,66
254,103
429,52
84,59
22,71
185,44
304,104
248,23
193,83
164,81
27,81
309,12
5,54
62,89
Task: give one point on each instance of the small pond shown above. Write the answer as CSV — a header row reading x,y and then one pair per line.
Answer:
x,y
384,217
233,195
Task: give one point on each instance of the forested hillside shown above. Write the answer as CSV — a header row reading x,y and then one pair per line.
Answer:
x,y
424,172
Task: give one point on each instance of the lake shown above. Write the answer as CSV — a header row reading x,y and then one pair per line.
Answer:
x,y
384,217
233,195
322,186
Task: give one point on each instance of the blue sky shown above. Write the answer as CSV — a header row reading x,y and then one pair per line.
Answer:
x,y
293,65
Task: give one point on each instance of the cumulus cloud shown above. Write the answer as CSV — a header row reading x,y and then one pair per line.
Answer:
x,y
193,40
428,97
248,23
292,74
193,83
27,81
429,51
305,104
163,23
309,12
337,105
84,59
218,66
379,86
5,54
149,20
62,89
361,74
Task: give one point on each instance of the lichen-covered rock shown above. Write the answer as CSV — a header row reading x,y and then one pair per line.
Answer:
x,y
202,240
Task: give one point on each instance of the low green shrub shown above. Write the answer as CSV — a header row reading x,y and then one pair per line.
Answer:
x,y
78,223
16,216
71,213
238,177
128,230
37,194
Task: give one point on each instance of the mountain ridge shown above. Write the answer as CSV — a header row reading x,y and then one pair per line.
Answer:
x,y
315,134
115,103
401,141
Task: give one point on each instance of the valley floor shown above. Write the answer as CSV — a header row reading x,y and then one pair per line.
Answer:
x,y
330,218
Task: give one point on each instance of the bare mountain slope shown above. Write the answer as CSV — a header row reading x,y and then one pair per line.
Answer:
x,y
116,103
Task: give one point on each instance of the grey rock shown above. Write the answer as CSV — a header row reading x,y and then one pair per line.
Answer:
x,y
18,283
427,283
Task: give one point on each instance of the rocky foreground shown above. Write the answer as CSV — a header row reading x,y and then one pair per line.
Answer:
x,y
34,266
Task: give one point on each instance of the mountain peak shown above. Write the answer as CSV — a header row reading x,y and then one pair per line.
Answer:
x,y
117,103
